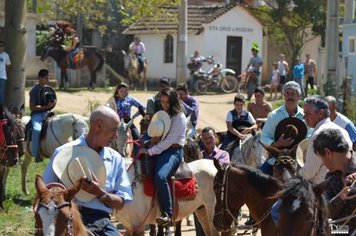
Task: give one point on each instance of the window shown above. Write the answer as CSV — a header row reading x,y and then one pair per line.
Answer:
x,y
352,45
168,49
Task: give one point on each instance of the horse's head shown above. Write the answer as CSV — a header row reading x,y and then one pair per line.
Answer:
x,y
46,52
55,214
191,150
80,125
123,135
252,152
229,198
56,52
130,61
303,209
11,138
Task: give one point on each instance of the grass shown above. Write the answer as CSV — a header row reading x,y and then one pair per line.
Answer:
x,y
17,217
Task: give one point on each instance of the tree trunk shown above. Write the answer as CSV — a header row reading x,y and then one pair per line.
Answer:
x,y
16,41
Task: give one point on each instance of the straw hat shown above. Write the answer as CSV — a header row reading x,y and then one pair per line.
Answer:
x,y
75,162
302,151
160,124
291,127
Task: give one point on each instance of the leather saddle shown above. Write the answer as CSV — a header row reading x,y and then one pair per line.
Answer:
x,y
45,123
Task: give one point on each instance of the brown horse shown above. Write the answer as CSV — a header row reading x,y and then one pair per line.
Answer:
x,y
303,209
235,186
93,60
55,212
131,65
11,146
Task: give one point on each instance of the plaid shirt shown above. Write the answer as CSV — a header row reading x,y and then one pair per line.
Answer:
x,y
339,208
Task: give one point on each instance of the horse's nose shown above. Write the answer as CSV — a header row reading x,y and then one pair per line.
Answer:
x,y
217,224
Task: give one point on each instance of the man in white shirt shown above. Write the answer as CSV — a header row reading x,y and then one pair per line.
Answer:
x,y
283,70
138,48
316,115
4,67
341,120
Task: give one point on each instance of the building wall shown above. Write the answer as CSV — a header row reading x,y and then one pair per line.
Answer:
x,y
212,41
349,32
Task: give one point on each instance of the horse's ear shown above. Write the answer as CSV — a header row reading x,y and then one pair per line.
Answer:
x,y
217,164
318,189
272,150
128,125
72,191
40,185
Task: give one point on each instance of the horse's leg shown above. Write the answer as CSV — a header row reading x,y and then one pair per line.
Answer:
x,y
4,171
178,231
24,169
152,230
160,230
144,77
205,217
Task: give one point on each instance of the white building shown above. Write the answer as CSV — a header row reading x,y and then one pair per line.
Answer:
x,y
224,31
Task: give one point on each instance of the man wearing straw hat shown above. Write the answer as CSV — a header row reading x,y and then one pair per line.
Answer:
x,y
107,185
334,151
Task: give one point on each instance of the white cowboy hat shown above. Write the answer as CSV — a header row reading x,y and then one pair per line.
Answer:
x,y
75,162
301,152
160,124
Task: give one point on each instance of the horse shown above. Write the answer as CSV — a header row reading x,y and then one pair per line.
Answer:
x,y
131,65
250,151
55,212
303,209
235,186
11,146
124,143
61,129
93,60
144,210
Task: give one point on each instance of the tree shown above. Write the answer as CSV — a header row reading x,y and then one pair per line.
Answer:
x,y
16,39
293,24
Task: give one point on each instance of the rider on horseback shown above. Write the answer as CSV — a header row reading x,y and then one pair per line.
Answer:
x,y
40,104
138,48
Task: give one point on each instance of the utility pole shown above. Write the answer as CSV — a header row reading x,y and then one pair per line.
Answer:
x,y
182,38
332,83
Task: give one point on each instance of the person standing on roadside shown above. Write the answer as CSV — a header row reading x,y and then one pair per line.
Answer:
x,y
298,75
310,71
283,70
4,67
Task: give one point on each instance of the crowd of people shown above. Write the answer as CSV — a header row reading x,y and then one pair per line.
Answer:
x,y
329,153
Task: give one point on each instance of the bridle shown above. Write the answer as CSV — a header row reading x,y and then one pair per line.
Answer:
x,y
224,196
51,207
4,147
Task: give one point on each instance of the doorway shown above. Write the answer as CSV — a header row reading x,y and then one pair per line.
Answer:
x,y
234,54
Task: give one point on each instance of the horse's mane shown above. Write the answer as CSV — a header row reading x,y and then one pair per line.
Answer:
x,y
265,183
303,189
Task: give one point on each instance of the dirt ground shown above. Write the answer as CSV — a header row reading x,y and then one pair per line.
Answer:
x,y
212,112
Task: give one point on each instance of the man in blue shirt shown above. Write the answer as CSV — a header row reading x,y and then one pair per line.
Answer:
x,y
104,123
298,74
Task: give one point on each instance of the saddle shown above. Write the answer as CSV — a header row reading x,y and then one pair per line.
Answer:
x,y
77,57
45,122
185,184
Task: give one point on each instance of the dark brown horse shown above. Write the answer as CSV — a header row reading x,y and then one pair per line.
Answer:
x,y
11,146
55,212
235,186
303,209
93,60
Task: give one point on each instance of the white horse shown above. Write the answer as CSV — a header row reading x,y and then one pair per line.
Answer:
x,y
61,129
250,152
121,144
140,212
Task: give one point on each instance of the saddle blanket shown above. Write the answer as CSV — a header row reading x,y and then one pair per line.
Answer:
x,y
183,188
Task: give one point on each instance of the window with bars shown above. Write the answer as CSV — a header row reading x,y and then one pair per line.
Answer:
x,y
168,49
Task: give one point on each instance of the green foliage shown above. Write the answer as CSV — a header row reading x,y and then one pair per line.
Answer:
x,y
41,41
92,104
350,109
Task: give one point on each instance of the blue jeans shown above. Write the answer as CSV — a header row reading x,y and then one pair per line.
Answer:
x,y
2,91
267,166
90,216
166,164
135,136
140,59
275,213
229,138
36,120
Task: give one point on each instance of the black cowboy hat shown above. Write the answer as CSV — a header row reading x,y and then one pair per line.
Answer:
x,y
291,127
47,95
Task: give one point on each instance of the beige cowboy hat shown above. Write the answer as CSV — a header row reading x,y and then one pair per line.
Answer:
x,y
302,151
160,124
75,162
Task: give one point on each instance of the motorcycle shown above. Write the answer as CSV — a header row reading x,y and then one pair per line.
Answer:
x,y
215,78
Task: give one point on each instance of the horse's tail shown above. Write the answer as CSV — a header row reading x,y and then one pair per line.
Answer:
x,y
101,61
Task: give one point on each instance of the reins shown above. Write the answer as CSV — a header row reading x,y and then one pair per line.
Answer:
x,y
3,145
